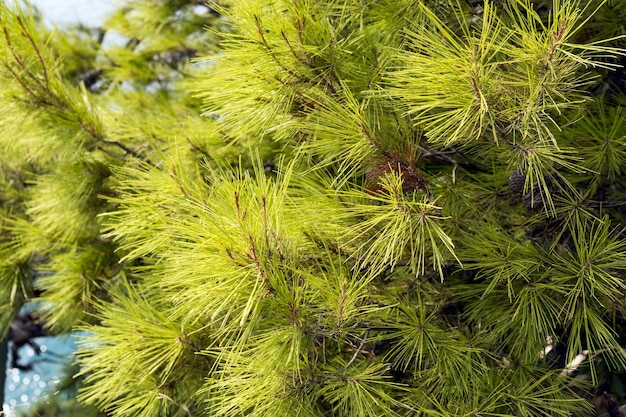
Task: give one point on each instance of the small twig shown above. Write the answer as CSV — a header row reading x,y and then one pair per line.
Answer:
x,y
198,149
17,57
34,44
359,349
556,42
370,138
306,60
603,204
347,365
21,82
299,23
441,155
269,50
123,147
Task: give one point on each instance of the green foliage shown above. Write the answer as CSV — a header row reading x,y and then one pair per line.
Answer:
x,y
350,208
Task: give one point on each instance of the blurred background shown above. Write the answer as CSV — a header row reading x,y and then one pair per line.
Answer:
x,y
52,368
87,12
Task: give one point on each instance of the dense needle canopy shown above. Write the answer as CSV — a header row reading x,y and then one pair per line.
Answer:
x,y
322,208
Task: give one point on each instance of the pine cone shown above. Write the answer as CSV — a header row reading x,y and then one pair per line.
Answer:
x,y
517,179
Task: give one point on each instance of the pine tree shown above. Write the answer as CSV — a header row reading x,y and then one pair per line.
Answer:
x,y
336,208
